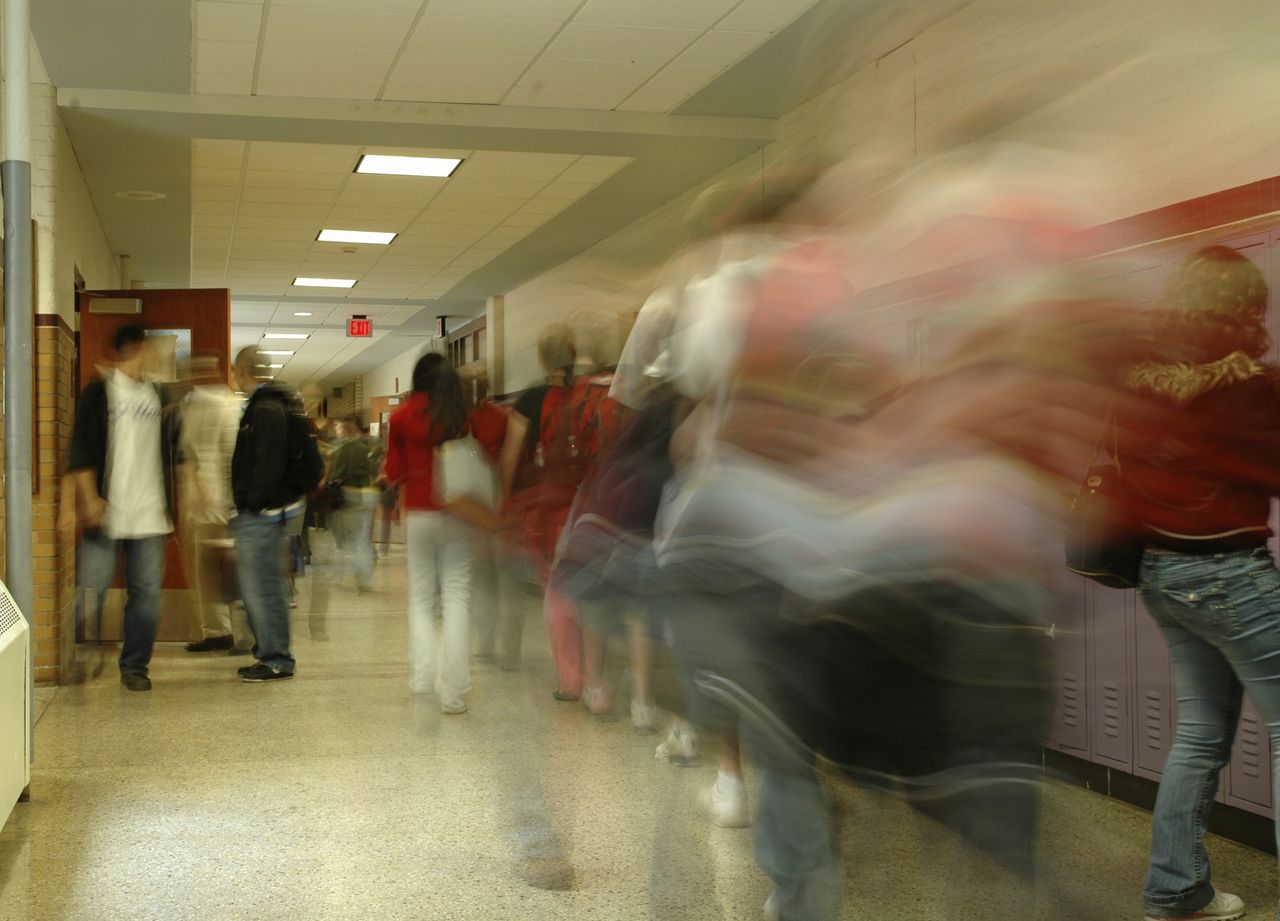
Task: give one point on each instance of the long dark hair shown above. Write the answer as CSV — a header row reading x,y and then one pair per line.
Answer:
x,y
434,376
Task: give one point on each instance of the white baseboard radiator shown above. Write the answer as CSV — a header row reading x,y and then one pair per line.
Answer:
x,y
15,704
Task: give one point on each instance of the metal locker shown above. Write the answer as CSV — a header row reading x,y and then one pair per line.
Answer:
x,y
1153,695
1068,731
1247,779
1109,710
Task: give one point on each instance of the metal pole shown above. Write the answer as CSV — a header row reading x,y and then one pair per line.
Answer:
x,y
19,325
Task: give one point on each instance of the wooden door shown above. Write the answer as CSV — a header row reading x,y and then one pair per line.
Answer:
x,y
204,315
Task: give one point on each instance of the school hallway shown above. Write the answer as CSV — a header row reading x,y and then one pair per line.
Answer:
x,y
340,794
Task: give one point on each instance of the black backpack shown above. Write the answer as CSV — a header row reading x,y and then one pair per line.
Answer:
x,y
304,467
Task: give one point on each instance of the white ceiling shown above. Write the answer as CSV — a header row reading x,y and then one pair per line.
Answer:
x,y
632,55
258,206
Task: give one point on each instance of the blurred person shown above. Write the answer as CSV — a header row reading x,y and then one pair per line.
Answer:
x,y
1201,478
124,454
211,421
351,469
439,544
274,465
542,509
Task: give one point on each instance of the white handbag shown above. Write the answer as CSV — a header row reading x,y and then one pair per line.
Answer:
x,y
463,472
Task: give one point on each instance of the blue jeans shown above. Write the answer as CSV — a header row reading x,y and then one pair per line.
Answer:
x,y
1220,615
354,524
144,575
260,549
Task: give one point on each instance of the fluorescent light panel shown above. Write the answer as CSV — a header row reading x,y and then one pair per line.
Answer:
x,y
439,167
269,366
286,335
262,352
302,313
355,236
324,282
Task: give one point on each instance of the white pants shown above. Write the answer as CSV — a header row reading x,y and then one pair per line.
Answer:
x,y
440,551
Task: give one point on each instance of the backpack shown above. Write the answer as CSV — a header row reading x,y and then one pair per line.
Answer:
x,y
576,422
304,467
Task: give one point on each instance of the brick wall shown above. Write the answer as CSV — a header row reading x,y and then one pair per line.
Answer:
x,y
351,401
54,560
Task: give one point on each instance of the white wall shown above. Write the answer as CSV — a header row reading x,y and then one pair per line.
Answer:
x,y
1171,98
70,235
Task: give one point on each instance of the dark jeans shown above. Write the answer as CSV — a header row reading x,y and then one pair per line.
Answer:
x,y
144,574
260,561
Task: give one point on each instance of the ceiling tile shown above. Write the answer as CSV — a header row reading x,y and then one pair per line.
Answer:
x,y
390,6
462,218
511,156
215,193
645,101
217,154
204,175
299,157
493,188
480,70
213,207
394,217
548,75
284,211
765,15
225,57
501,169
287,196
556,10
328,62
294,179
681,78
592,172
224,84
589,42
683,14
481,36
227,22
562,190
720,48
337,28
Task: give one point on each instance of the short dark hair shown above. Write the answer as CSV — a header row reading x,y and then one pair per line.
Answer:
x,y
129,334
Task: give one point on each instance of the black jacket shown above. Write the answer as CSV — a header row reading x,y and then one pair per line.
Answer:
x,y
89,438
262,450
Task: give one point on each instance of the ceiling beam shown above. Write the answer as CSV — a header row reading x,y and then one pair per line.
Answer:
x,y
402,124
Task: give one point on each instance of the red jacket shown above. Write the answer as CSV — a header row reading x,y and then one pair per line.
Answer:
x,y
411,447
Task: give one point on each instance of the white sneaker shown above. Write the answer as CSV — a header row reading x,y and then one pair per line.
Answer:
x,y
454,707
680,747
771,907
1224,907
644,715
726,807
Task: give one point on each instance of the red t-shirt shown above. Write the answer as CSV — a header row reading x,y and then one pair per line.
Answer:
x,y
411,447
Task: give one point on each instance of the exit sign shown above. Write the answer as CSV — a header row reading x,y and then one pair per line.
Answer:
x,y
359,327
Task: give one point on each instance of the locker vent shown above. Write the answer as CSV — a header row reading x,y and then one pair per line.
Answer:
x,y
1252,745
1155,720
1070,699
1112,709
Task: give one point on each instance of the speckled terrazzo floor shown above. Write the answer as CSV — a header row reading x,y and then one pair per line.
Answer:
x,y
339,795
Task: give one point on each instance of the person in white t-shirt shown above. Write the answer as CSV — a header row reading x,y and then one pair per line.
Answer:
x,y
210,423
124,448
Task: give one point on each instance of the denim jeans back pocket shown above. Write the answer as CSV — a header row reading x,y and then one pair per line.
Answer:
x,y
1207,606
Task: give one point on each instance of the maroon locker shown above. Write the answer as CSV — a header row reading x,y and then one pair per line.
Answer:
x,y
1109,712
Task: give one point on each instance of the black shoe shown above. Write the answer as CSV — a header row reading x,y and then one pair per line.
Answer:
x,y
239,651
245,669
261,671
561,696
212,643
135,681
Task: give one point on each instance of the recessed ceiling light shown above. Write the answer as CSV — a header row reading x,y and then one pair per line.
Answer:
x,y
140,195
324,282
439,167
355,236
261,352
302,313
286,335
